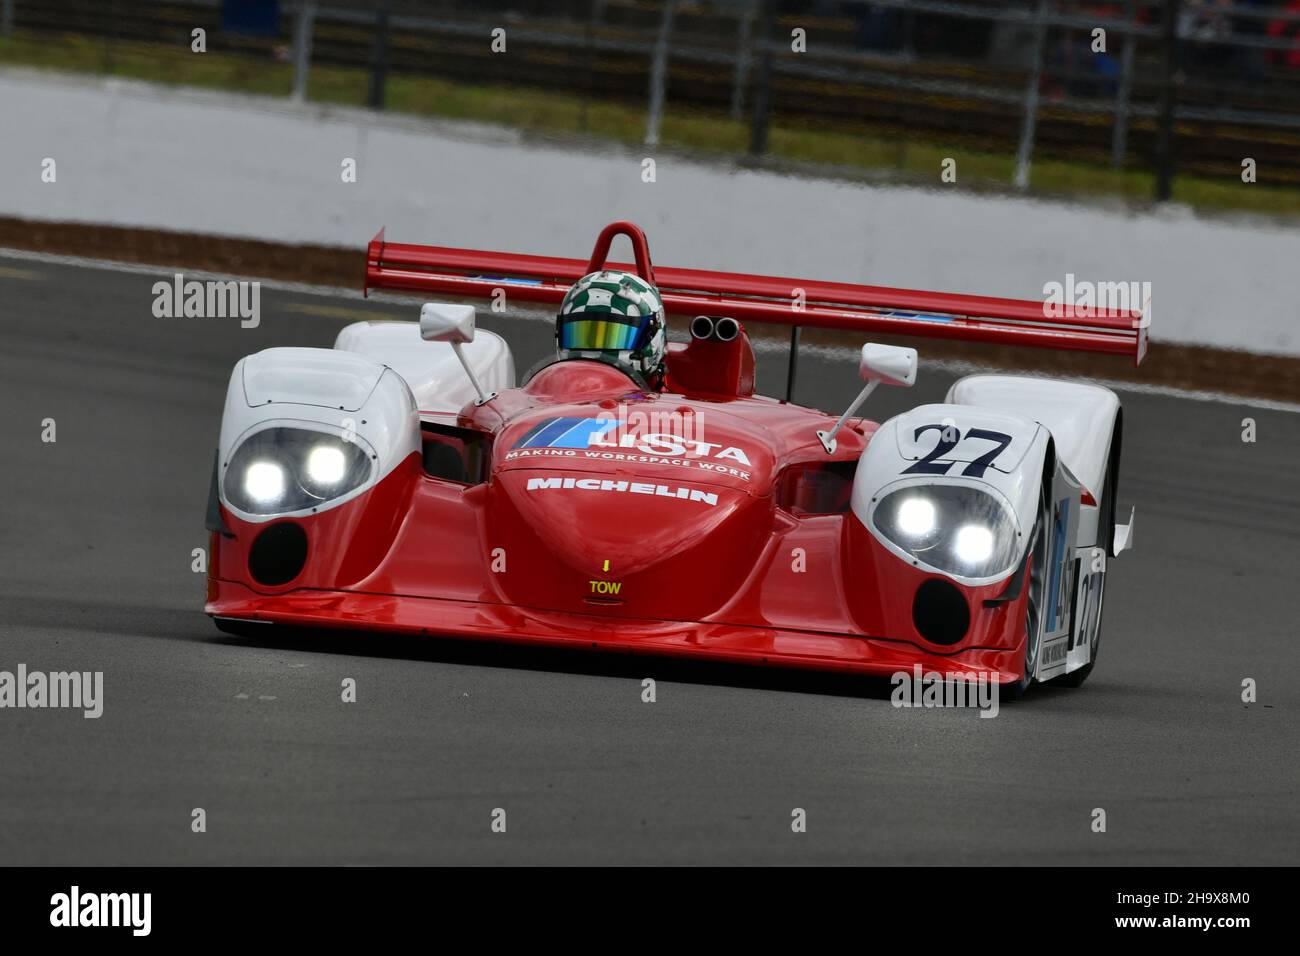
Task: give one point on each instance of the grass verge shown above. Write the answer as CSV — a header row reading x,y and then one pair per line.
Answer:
x,y
545,112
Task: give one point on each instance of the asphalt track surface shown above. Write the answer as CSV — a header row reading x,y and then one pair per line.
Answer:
x,y
96,537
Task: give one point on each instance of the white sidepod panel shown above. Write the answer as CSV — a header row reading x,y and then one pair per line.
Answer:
x,y
1080,417
431,368
340,394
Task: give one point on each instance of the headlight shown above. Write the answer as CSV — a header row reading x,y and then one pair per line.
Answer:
x,y
953,528
280,470
264,482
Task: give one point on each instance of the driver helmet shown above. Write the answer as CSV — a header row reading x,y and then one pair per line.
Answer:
x,y
617,318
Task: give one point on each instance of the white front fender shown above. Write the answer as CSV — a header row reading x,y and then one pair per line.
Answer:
x,y
955,445
338,393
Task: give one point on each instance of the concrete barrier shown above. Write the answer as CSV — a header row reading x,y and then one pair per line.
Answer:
x,y
132,154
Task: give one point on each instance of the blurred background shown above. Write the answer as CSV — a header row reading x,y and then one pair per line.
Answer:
x,y
1139,99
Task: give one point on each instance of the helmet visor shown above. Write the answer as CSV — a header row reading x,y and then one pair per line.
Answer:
x,y
601,330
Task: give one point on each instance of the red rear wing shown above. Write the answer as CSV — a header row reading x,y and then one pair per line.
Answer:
x,y
470,273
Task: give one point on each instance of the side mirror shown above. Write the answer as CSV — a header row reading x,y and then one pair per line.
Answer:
x,y
444,322
453,324
887,364
879,365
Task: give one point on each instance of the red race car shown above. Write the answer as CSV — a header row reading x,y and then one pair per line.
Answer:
x,y
633,494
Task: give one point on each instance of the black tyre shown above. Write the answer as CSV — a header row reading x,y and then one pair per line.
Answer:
x,y
1035,583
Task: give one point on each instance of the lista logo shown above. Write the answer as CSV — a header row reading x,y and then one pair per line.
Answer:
x,y
605,433
709,498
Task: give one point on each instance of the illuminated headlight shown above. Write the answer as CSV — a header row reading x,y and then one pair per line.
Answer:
x,y
956,529
973,544
264,482
916,516
282,470
326,465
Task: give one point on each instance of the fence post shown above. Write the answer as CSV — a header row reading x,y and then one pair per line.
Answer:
x,y
763,89
744,58
588,64
1119,138
379,64
7,18
659,76
1168,65
114,16
302,30
1025,153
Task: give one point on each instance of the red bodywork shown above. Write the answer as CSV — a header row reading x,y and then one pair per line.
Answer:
x,y
750,577
726,536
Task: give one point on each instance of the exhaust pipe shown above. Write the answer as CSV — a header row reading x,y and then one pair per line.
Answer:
x,y
726,329
701,327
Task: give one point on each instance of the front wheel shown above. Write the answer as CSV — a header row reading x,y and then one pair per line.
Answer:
x,y
1033,606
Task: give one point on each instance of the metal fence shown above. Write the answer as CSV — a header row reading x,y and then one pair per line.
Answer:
x,y
1188,87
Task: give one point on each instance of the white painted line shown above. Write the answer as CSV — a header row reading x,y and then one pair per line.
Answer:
x,y
832,353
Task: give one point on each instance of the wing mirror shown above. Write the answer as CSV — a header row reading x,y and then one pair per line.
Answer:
x,y
887,364
444,322
453,324
878,364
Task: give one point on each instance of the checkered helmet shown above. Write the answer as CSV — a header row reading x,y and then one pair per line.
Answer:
x,y
616,317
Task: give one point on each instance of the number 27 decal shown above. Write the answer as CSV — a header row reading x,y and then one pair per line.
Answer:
x,y
949,437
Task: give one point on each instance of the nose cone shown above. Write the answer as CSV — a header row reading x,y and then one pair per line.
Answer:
x,y
637,546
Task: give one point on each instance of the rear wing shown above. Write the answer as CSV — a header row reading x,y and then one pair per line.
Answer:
x,y
469,273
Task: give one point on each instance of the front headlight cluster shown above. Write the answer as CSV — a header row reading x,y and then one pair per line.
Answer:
x,y
280,470
954,528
